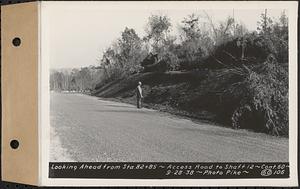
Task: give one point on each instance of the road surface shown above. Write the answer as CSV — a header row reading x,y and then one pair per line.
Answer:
x,y
85,128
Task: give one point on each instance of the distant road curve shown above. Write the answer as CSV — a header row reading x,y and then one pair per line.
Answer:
x,y
86,128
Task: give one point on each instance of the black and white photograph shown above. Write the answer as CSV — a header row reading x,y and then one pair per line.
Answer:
x,y
188,85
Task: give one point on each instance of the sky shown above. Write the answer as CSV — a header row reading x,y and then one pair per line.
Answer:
x,y
79,32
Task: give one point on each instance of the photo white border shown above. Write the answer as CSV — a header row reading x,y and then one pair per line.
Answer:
x,y
44,99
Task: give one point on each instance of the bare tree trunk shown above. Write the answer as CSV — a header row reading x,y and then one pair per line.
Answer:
x,y
265,22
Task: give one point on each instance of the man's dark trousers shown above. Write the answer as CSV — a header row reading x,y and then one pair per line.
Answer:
x,y
138,102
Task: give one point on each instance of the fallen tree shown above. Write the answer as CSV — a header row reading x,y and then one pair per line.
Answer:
x,y
248,91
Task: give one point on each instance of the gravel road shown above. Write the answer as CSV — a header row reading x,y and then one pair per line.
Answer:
x,y
86,128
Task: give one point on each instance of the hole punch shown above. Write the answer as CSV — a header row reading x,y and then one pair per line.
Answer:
x,y
16,41
14,144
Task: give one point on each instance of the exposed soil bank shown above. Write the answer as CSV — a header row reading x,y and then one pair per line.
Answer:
x,y
195,94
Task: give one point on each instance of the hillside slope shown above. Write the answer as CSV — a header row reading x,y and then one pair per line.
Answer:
x,y
248,90
197,94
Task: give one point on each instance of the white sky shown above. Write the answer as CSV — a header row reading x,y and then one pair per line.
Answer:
x,y
79,31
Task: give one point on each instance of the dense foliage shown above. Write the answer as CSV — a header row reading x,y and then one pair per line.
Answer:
x,y
264,86
263,97
248,70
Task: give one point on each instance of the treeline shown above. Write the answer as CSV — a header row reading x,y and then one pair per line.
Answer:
x,y
76,80
258,61
199,38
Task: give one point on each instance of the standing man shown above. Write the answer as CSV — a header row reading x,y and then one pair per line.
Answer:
x,y
139,95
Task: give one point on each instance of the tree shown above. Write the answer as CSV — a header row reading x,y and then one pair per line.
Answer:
x,y
240,30
196,42
280,38
190,27
265,24
281,27
163,44
157,29
222,32
123,57
111,63
275,34
130,50
129,41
